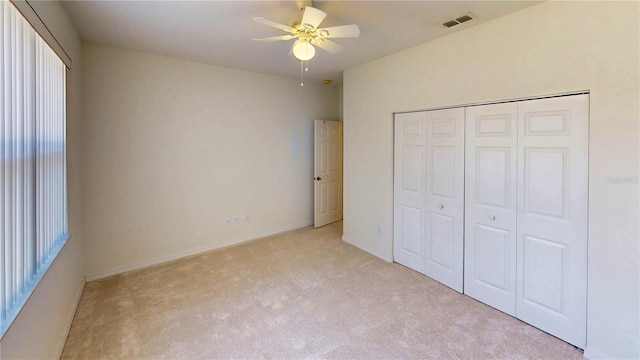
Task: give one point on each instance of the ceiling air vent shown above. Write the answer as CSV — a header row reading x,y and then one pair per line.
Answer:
x,y
463,18
451,23
459,20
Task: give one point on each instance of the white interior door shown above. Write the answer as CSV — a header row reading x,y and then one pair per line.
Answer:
x,y
408,190
552,215
328,172
444,209
490,205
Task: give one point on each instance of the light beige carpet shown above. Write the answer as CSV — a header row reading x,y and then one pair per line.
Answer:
x,y
301,294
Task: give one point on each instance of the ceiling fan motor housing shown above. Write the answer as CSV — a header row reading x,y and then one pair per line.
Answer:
x,y
301,4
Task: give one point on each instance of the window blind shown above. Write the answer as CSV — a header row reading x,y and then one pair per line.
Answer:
x,y
33,199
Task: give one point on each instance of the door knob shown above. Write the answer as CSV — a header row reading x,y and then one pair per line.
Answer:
x,y
441,206
317,178
492,217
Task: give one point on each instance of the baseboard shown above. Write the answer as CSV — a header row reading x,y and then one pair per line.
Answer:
x,y
63,339
196,251
352,241
591,354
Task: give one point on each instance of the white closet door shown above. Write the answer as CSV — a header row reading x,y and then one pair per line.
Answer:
x,y
552,215
408,190
490,205
444,220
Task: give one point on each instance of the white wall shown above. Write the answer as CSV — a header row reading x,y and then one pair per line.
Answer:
x,y
172,148
40,329
550,48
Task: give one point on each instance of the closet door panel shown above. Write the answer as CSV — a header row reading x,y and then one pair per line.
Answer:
x,y
444,218
490,257
490,205
409,190
552,215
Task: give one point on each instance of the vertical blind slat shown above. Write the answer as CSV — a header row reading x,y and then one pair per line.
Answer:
x,y
3,132
19,160
45,156
11,180
30,154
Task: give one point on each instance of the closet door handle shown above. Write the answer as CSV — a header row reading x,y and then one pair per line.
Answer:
x,y
441,206
492,217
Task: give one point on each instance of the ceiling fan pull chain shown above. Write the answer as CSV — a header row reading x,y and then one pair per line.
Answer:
x,y
303,69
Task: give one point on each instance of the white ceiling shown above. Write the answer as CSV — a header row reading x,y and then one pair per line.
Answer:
x,y
221,32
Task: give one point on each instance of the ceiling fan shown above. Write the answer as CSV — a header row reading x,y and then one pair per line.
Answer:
x,y
307,33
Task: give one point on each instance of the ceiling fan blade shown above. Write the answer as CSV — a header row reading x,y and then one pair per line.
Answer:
x,y
327,45
344,31
274,24
275,38
312,17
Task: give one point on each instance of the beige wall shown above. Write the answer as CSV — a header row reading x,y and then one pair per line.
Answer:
x,y
41,328
172,148
550,48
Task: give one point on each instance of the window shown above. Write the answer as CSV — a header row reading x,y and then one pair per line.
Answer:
x,y
33,197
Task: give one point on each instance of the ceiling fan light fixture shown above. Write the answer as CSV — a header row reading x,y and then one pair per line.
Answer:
x,y
303,50
308,35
